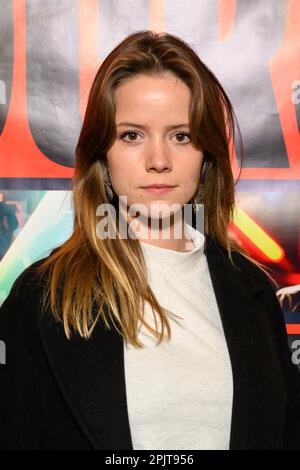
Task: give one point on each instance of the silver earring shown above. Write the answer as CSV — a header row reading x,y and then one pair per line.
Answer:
x,y
108,189
107,183
199,198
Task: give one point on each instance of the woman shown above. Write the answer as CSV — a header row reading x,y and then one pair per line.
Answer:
x,y
88,365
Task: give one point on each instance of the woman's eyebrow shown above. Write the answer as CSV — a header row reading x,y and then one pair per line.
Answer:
x,y
132,124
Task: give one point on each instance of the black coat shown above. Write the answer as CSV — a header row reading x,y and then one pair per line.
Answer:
x,y
61,394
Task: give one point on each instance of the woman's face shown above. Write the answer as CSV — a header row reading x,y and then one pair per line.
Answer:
x,y
151,150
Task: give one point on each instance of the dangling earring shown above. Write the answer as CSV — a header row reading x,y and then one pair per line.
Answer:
x,y
199,198
107,183
108,189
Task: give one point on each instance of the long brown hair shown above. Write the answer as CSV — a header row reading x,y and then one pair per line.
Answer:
x,y
89,278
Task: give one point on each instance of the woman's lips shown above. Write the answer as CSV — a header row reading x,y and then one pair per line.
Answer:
x,y
156,190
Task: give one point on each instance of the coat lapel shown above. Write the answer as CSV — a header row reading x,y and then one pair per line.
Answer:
x,y
257,386
91,376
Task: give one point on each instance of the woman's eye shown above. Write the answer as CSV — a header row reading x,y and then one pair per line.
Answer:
x,y
131,137
125,134
182,135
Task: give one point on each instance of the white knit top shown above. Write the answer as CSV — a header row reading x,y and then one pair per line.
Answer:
x,y
179,394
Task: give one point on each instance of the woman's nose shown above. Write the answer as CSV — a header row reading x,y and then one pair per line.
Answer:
x,y
158,156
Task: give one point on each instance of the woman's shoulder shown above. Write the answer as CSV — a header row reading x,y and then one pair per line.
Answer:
x,y
25,296
258,277
245,268
28,281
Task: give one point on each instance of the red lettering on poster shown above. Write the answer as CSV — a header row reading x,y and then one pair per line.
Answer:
x,y
89,60
226,18
284,70
19,156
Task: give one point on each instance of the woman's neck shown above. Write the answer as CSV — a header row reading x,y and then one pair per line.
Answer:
x,y
173,237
